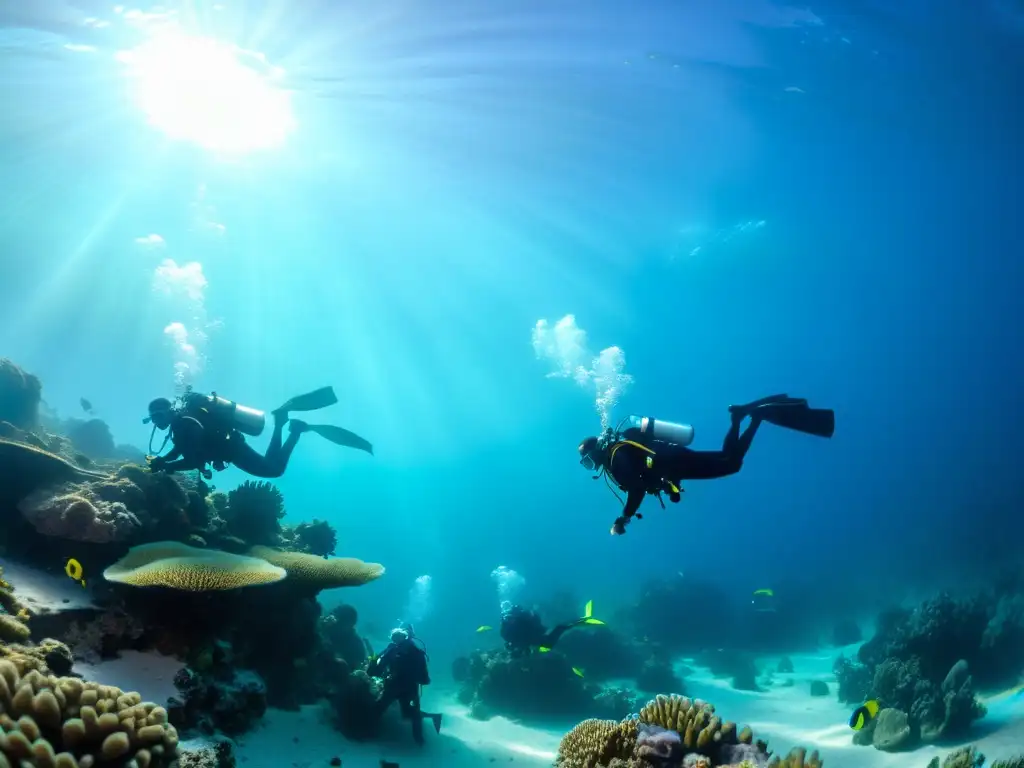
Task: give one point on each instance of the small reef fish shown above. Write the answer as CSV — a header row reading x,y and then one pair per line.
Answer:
x,y
86,405
864,714
74,570
578,672
484,628
763,601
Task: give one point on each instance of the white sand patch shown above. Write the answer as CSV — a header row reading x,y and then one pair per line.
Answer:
x,y
306,740
150,673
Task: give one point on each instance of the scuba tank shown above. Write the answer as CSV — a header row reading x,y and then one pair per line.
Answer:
x,y
246,420
661,431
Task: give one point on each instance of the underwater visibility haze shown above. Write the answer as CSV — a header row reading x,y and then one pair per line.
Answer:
x,y
442,245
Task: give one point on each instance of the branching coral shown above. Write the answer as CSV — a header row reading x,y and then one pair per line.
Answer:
x,y
315,538
254,511
66,723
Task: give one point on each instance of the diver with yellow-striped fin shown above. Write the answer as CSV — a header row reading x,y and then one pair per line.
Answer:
x,y
651,456
523,631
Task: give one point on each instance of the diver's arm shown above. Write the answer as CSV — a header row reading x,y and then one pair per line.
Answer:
x,y
633,501
182,465
171,455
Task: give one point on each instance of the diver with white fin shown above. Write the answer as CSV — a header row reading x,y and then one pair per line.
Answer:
x,y
652,456
208,429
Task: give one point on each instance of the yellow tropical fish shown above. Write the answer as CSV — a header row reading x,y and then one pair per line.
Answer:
x,y
484,628
863,714
764,593
544,649
578,671
73,569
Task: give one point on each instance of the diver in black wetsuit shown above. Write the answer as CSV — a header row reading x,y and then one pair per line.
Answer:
x,y
652,457
403,665
523,631
207,429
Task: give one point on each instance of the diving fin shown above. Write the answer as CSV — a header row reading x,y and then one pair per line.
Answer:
x,y
588,615
342,437
820,422
311,401
748,408
436,720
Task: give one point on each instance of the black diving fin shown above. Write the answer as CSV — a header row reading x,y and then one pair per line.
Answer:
x,y
749,408
820,422
342,437
311,401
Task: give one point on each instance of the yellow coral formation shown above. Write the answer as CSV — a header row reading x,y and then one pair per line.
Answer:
x,y
63,722
9,602
12,630
25,658
797,758
319,573
601,743
179,566
594,743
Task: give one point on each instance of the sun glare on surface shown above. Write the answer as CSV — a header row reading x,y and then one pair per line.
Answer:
x,y
213,94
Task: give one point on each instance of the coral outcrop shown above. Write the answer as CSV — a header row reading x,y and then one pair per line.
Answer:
x,y
671,732
66,723
918,664
20,395
215,695
535,686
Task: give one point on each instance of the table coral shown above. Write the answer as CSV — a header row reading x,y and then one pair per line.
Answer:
x,y
179,566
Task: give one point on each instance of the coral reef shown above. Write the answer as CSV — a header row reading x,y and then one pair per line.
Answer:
x,y
74,513
965,757
215,695
534,686
65,722
671,732
206,753
179,566
338,629
20,395
683,615
917,663
25,468
103,636
315,538
657,674
603,652
253,513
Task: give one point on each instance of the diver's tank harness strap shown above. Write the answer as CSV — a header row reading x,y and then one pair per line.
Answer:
x,y
649,464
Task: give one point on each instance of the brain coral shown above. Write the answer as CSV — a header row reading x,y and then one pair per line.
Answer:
x,y
63,722
318,573
179,566
74,512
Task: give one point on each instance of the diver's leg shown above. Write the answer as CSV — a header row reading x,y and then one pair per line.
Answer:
x,y
243,456
556,633
275,461
412,704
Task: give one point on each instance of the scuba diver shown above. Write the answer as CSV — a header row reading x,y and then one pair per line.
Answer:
x,y
652,457
522,630
207,429
403,665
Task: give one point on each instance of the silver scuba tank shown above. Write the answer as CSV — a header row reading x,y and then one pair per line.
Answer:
x,y
247,420
662,431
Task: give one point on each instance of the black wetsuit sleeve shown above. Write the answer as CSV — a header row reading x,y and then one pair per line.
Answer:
x,y
182,465
172,455
633,501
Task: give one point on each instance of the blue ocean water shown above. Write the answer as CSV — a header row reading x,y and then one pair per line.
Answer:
x,y
743,196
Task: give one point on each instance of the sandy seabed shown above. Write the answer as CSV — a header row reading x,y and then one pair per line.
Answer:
x,y
785,714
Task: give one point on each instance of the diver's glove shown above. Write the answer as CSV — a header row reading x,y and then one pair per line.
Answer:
x,y
619,528
156,463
